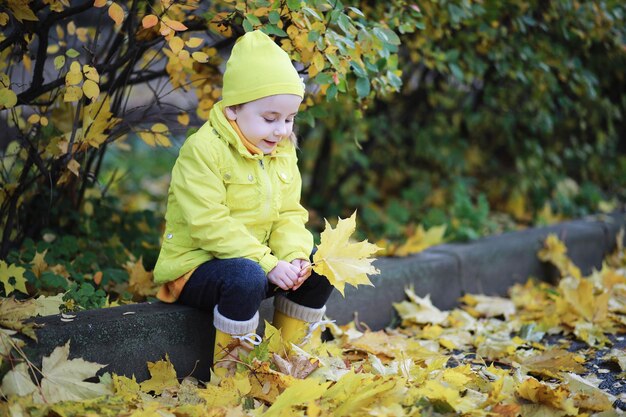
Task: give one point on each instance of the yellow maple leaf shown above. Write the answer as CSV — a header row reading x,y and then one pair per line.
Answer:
x,y
12,278
162,376
421,239
48,305
39,263
140,281
551,362
555,251
224,392
126,388
540,393
581,300
587,394
419,310
13,313
489,306
267,384
300,392
342,261
274,339
63,379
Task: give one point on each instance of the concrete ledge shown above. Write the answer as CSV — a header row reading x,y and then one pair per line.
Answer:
x,y
129,336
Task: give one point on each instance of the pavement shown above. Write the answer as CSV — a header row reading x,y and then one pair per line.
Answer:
x,y
127,337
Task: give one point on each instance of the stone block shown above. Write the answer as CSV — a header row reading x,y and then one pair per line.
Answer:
x,y
125,338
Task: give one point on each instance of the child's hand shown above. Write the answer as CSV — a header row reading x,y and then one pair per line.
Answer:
x,y
284,275
305,271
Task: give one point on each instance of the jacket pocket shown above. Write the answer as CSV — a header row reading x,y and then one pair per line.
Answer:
x,y
242,190
285,184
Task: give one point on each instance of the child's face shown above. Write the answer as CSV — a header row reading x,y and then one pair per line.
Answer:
x,y
266,121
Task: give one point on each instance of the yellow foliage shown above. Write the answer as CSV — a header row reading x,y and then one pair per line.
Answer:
x,y
162,377
12,278
554,251
116,12
342,261
540,393
21,10
140,281
420,240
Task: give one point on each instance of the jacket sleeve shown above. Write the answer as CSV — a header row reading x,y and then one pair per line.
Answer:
x,y
289,238
200,191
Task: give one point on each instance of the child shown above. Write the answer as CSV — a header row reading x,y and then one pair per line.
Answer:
x,y
235,229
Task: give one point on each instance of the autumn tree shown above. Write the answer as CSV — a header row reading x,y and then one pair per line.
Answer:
x,y
80,77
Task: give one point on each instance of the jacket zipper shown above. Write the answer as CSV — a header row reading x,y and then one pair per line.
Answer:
x,y
269,189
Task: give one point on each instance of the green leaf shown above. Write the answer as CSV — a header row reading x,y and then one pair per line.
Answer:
x,y
362,87
8,98
312,12
345,24
72,53
59,62
391,36
313,36
294,4
331,93
358,69
247,26
274,17
253,19
332,58
274,30
323,78
456,71
356,11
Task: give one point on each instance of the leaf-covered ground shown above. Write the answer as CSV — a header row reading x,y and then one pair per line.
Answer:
x,y
545,351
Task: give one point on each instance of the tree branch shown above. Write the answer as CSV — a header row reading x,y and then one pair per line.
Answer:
x,y
40,60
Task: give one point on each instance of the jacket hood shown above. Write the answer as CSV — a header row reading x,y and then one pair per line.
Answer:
x,y
258,68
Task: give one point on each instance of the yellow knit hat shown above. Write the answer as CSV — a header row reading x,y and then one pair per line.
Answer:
x,y
258,68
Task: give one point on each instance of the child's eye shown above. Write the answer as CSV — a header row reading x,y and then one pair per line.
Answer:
x,y
268,120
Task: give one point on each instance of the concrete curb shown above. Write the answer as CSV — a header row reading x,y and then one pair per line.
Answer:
x,y
127,337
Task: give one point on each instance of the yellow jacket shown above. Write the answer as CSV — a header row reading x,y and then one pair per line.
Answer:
x,y
224,202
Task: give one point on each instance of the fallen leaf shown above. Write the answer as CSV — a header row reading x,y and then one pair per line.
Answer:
x,y
540,393
551,362
299,392
140,281
419,310
64,379
12,278
48,305
162,376
18,382
421,239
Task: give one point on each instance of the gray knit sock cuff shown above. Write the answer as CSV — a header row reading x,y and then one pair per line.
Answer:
x,y
297,311
235,327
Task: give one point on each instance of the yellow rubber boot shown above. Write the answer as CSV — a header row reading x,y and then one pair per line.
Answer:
x,y
292,330
220,349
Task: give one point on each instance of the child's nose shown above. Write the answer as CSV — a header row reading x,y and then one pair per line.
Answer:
x,y
281,129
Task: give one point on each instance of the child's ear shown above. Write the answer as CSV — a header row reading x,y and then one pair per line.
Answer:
x,y
230,112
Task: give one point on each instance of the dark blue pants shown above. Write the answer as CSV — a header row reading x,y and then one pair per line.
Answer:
x,y
237,286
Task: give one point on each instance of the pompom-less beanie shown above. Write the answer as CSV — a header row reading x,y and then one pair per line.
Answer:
x,y
258,68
